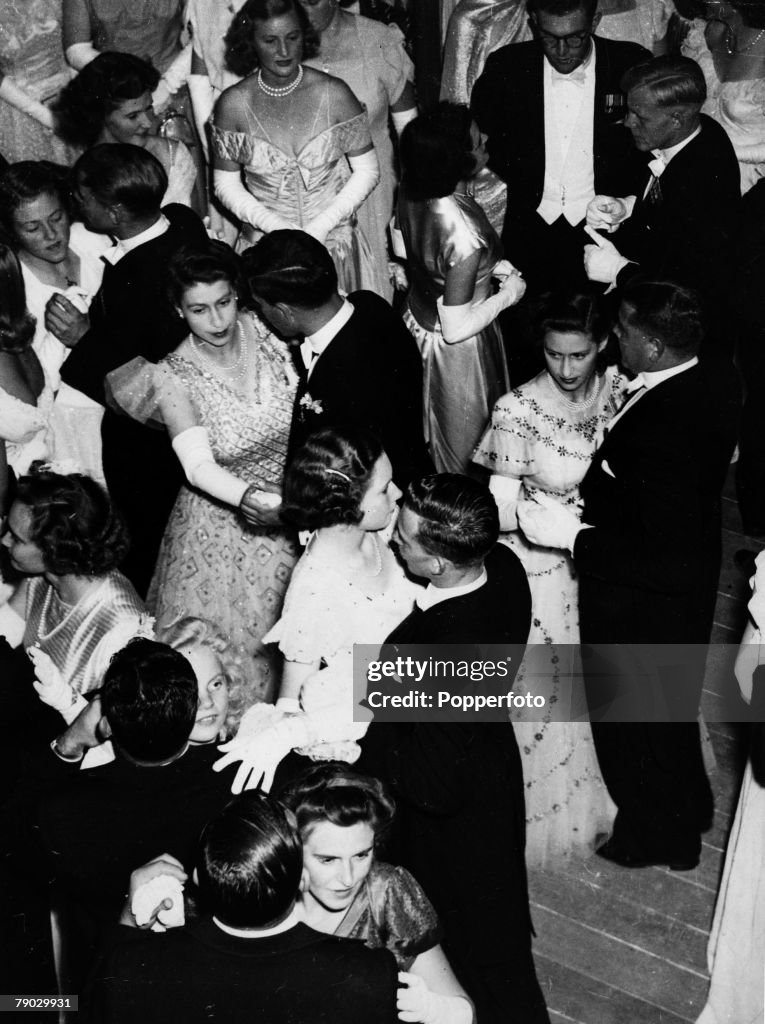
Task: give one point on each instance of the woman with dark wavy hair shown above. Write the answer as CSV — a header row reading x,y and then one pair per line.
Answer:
x,y
111,101
348,588
300,137
74,609
342,816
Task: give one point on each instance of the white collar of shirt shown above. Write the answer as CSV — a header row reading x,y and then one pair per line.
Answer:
x,y
314,344
431,595
662,157
262,933
577,77
644,381
126,245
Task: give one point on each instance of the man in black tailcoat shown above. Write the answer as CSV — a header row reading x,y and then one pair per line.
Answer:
x,y
459,785
552,110
120,189
359,364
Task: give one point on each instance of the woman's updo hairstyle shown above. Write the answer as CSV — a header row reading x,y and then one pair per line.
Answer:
x,y
328,477
212,262
573,310
436,151
73,522
241,55
331,792
109,80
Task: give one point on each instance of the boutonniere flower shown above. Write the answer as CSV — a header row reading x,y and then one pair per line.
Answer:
x,y
310,404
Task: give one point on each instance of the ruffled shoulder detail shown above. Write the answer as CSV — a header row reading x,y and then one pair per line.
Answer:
x,y
142,390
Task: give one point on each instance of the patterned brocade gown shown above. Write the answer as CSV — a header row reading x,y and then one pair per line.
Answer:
x,y
540,437
300,187
211,563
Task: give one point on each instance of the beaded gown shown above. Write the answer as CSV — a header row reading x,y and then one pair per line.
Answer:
x,y
461,382
211,563
31,53
300,187
540,437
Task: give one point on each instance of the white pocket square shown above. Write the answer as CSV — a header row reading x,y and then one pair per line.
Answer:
x,y
607,469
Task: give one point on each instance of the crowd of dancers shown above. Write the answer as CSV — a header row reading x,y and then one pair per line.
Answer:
x,y
294,359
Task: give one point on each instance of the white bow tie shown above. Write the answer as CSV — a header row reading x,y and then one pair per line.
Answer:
x,y
575,77
658,165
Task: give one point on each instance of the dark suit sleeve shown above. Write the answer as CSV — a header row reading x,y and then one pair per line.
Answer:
x,y
654,543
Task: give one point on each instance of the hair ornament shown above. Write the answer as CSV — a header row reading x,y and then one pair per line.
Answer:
x,y
336,472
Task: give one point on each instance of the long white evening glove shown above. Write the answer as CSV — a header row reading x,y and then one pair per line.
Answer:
x,y
416,1003
262,743
506,490
402,118
365,176
230,189
79,54
458,323
202,102
192,447
15,95
52,689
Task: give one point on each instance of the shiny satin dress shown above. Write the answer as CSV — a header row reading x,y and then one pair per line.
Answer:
x,y
300,187
461,382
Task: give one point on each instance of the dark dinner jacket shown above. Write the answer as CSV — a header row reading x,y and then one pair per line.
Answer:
x,y
131,316
686,235
370,375
508,105
647,576
459,795
648,571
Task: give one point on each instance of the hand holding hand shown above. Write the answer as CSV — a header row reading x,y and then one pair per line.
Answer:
x,y
155,899
260,507
602,261
64,320
605,213
549,527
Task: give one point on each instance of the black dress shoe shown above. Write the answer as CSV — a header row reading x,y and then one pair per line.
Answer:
x,y
617,854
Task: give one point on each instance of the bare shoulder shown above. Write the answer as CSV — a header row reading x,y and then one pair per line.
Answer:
x,y
342,101
230,108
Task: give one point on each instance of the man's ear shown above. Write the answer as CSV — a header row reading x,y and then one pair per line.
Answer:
x,y
439,565
116,214
657,348
103,729
596,20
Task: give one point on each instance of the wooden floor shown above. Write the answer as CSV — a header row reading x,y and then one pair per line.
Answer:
x,y
618,946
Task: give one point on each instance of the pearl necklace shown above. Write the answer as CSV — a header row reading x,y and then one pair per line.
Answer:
x,y
578,406
280,90
379,561
239,366
730,40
